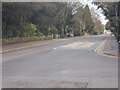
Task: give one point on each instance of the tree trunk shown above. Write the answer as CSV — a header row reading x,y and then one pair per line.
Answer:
x,y
21,31
4,25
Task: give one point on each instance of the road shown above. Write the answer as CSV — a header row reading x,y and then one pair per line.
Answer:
x,y
64,63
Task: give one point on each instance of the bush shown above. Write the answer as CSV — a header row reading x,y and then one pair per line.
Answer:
x,y
40,34
12,32
31,30
77,32
54,31
44,30
95,33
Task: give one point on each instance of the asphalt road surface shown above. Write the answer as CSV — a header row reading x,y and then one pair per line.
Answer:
x,y
64,63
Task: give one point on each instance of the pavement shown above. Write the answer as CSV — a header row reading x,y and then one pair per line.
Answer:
x,y
24,45
61,63
109,46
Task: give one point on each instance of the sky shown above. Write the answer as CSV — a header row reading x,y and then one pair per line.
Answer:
x,y
97,12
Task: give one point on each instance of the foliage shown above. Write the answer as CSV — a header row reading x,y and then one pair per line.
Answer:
x,y
30,30
111,11
28,19
88,22
39,34
83,21
99,27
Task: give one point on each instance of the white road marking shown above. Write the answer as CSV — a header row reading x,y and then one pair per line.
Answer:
x,y
54,48
77,45
29,46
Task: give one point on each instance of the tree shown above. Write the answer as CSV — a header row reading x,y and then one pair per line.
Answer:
x,y
18,18
110,11
14,16
98,28
87,19
83,21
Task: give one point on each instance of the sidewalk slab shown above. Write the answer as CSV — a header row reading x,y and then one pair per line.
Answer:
x,y
109,46
18,46
23,45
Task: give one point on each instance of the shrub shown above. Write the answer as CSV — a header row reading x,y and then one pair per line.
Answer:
x,y
40,34
31,30
54,31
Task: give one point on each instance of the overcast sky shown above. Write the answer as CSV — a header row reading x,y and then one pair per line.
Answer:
x,y
98,12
